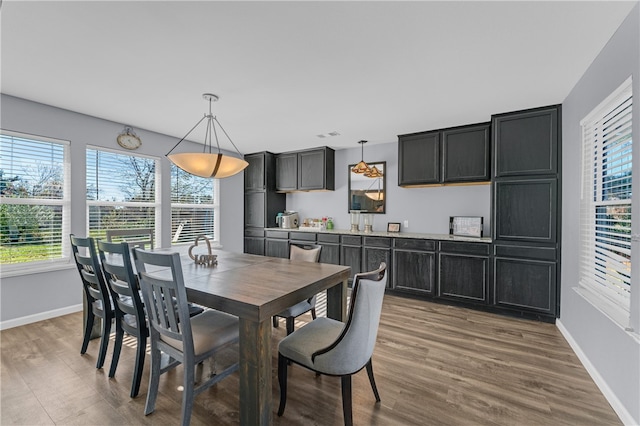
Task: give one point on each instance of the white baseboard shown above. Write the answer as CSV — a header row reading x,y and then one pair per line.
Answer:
x,y
611,397
40,316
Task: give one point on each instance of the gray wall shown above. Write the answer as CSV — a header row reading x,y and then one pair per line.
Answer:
x,y
36,296
426,209
610,353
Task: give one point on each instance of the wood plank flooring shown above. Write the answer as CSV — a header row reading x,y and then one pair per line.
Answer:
x,y
434,365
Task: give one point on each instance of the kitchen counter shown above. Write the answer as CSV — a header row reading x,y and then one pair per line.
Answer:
x,y
442,237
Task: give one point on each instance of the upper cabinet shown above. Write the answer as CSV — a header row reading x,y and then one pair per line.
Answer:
x,y
526,142
307,170
454,155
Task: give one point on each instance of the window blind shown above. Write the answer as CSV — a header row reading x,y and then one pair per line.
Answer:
x,y
194,208
34,213
121,192
606,199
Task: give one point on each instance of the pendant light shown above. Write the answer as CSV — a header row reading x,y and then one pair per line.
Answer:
x,y
361,167
208,164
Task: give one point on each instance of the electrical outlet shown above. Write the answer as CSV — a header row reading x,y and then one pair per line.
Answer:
x,y
406,223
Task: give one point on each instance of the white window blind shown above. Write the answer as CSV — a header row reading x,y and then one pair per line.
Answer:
x,y
34,190
194,206
121,192
606,199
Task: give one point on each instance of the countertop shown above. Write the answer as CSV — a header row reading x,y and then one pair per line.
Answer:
x,y
441,237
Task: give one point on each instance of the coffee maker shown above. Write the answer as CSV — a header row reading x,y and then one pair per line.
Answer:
x,y
287,220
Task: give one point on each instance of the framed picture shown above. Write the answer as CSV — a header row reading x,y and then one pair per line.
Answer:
x,y
393,227
467,226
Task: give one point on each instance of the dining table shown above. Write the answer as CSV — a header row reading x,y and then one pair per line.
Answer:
x,y
255,288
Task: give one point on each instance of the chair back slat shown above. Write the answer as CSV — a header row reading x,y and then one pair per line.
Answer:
x,y
355,345
90,270
134,237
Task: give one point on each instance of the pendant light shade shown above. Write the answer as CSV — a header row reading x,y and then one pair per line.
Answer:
x,y
208,164
361,167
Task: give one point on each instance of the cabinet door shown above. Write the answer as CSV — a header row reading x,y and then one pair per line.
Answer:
x,y
254,174
277,248
466,154
527,285
287,171
526,142
254,209
311,170
419,159
351,256
330,253
463,277
372,257
414,271
254,245
526,210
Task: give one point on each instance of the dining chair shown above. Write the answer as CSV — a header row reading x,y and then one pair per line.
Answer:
x,y
307,253
135,237
129,309
186,340
327,346
96,293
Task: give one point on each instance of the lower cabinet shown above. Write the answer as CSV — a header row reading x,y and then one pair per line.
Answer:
x,y
351,253
375,251
277,244
464,272
254,241
330,252
414,266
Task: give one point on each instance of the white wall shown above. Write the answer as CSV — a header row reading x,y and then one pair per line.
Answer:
x,y
426,209
611,354
32,297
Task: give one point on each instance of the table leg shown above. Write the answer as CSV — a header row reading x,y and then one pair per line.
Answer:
x,y
255,372
337,301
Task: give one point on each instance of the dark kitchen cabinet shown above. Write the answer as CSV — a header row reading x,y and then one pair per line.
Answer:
x,y
454,155
414,266
307,170
375,251
527,142
255,175
254,241
464,271
351,253
330,252
277,244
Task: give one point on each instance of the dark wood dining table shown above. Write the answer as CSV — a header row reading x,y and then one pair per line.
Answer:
x,y
255,288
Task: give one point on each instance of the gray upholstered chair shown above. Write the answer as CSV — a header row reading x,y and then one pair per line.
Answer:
x,y
135,237
186,340
307,253
331,347
96,293
129,309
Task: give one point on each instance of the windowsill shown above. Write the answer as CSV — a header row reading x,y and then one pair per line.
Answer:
x,y
8,271
614,313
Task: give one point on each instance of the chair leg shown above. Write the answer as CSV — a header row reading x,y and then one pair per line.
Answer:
x,y
88,326
313,313
104,340
116,349
188,393
282,380
372,380
154,381
346,400
290,325
139,366
276,322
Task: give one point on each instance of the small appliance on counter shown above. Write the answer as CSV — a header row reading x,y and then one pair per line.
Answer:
x,y
287,220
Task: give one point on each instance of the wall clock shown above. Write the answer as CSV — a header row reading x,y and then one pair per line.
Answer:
x,y
128,139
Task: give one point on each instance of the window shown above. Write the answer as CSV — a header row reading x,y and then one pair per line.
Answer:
x,y
194,206
121,192
34,190
606,201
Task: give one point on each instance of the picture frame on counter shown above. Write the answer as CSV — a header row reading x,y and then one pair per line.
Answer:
x,y
393,227
466,226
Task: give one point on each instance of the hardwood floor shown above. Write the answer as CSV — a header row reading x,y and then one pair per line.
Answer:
x,y
434,365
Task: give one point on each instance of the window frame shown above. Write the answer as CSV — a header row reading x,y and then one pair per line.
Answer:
x,y
64,261
156,205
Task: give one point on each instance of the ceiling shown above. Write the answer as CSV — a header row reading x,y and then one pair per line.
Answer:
x,y
289,71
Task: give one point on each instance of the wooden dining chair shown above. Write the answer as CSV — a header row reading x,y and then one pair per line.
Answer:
x,y
135,237
129,310
97,296
330,347
307,253
187,340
